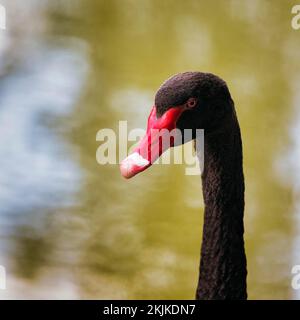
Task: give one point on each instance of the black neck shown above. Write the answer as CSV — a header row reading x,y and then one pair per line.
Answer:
x,y
223,262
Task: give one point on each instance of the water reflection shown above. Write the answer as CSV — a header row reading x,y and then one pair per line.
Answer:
x,y
73,229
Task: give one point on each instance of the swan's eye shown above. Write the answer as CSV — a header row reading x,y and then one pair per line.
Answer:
x,y
191,103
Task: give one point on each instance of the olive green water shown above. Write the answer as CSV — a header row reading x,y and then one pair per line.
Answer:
x,y
141,238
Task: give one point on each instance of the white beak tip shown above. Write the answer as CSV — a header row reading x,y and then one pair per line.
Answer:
x,y
132,165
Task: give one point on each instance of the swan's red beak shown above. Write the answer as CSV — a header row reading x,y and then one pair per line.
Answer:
x,y
153,144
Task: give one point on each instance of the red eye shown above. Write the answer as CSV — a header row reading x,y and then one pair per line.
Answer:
x,y
191,103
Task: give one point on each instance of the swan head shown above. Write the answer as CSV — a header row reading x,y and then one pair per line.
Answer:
x,y
189,100
204,97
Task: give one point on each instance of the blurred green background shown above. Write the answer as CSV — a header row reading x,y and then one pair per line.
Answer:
x,y
71,228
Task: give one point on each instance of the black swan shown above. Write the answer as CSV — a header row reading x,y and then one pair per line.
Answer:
x,y
196,100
